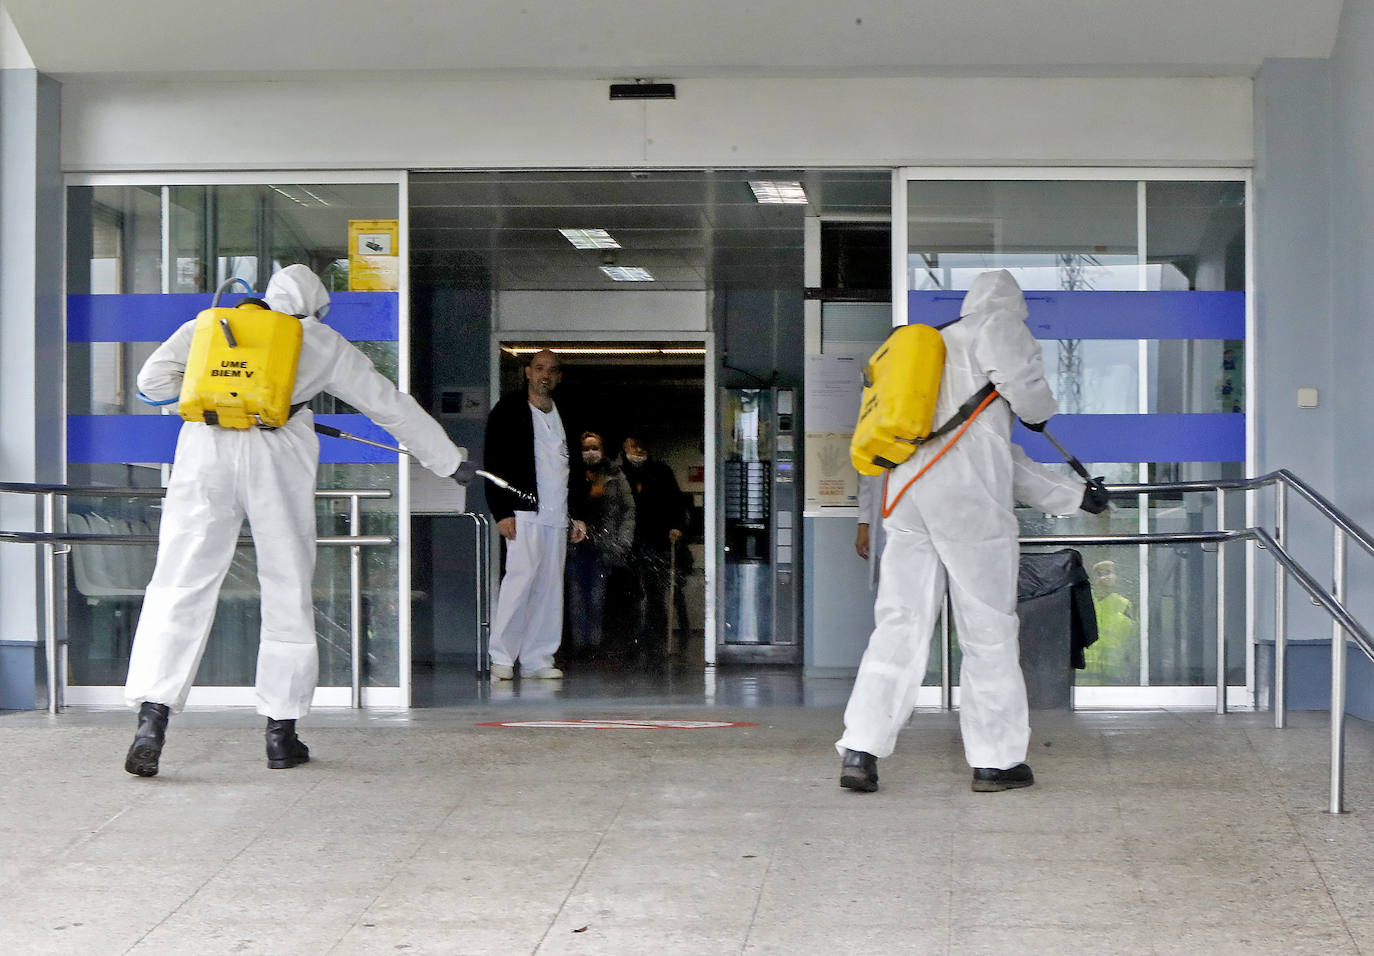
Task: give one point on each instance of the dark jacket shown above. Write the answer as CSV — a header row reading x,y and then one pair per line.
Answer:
x,y
659,505
508,452
608,508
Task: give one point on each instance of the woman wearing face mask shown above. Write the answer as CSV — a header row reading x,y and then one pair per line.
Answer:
x,y
609,510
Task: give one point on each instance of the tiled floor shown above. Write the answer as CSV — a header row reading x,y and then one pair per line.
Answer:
x,y
423,832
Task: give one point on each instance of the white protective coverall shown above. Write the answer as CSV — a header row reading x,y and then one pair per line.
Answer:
x,y
955,528
222,475
1031,484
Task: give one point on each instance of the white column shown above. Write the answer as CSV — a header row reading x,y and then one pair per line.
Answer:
x,y
32,335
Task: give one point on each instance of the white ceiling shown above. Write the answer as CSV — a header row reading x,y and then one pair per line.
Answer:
x,y
676,40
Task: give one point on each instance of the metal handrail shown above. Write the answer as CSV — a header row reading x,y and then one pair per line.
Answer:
x,y
1332,601
108,491
50,537
1280,476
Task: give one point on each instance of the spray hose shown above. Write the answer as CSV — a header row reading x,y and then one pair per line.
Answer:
x,y
466,472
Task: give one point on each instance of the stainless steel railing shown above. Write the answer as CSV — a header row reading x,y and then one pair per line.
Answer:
x,y
481,530
51,540
1343,622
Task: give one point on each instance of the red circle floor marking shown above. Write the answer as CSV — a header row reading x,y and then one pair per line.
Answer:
x,y
619,724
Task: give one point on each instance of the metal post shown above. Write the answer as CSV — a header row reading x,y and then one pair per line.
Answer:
x,y
487,524
355,599
1337,804
1221,604
1280,610
50,601
946,655
481,582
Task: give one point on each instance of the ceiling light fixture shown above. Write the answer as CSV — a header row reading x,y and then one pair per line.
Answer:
x,y
627,273
590,238
600,350
772,191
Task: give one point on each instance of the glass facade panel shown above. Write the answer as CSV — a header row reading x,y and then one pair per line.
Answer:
x,y
116,270
1136,293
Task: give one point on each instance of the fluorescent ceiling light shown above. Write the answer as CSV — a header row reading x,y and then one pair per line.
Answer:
x,y
627,273
314,200
590,238
601,350
780,192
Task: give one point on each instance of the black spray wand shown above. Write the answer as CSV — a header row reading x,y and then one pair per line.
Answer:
x,y
465,473
1075,464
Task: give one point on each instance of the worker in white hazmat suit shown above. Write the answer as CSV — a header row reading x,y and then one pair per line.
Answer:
x,y
219,477
954,529
1031,483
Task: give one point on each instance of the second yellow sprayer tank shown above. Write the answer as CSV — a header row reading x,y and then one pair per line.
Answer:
x,y
901,384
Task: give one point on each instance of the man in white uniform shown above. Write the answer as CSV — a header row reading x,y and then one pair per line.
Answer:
x,y
527,444
222,475
955,529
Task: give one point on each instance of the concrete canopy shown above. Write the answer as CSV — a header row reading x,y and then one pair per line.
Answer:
x,y
608,39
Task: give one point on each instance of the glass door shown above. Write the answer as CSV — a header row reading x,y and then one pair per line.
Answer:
x,y
144,255
1136,287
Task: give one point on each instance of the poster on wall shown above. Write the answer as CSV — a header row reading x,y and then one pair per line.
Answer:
x,y
834,384
374,263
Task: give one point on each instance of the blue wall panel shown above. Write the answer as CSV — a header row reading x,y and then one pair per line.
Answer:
x,y
358,316
152,438
1131,438
1107,315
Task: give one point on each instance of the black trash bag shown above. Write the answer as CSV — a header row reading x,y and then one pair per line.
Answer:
x,y
1054,601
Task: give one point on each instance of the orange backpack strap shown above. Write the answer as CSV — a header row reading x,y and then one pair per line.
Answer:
x,y
988,394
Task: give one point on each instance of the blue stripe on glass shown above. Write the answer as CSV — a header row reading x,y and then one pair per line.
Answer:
x,y
358,316
1168,438
153,438
1107,315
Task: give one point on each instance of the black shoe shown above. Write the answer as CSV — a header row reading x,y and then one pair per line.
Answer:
x,y
990,779
859,771
284,748
148,739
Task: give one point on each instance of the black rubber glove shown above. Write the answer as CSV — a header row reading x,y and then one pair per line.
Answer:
x,y
1035,427
465,473
1095,497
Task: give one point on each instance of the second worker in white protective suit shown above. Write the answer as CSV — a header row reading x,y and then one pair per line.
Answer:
x,y
955,529
221,476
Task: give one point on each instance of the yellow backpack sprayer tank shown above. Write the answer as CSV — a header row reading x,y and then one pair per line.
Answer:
x,y
242,366
901,383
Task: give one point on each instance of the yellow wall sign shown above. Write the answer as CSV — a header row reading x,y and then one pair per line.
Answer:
x,y
374,263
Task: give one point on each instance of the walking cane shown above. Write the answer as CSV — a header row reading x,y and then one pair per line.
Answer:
x,y
672,588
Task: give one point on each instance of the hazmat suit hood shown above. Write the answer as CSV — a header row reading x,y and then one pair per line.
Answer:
x,y
994,292
296,290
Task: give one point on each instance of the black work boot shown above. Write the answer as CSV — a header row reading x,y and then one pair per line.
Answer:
x,y
990,779
859,771
284,748
148,739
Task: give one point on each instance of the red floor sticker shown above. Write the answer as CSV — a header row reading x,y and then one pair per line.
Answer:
x,y
618,724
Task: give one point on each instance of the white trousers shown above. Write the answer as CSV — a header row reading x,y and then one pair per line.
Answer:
x,y
980,572
529,606
219,478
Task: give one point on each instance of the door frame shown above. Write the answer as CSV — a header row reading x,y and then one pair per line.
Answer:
x,y
222,696
904,176
708,342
